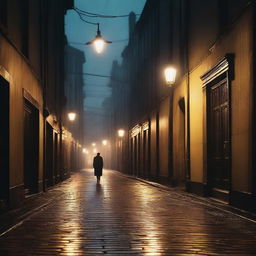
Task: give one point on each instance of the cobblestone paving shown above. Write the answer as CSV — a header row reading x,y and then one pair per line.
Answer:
x,y
123,216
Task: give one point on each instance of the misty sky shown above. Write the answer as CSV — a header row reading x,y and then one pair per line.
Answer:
x,y
111,29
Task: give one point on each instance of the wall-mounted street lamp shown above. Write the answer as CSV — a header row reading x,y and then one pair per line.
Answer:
x,y
98,42
85,151
170,75
71,116
121,133
104,142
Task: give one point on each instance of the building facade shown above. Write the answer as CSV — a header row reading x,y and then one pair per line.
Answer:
x,y
32,97
74,94
198,133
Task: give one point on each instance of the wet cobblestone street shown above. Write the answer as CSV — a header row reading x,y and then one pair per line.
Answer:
x,y
123,216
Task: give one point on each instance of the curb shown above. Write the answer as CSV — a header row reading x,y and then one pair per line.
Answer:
x,y
210,202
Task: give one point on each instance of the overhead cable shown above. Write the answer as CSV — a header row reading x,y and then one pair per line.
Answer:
x,y
86,21
89,74
97,15
116,41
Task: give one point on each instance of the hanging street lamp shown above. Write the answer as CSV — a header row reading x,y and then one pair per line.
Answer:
x,y
98,42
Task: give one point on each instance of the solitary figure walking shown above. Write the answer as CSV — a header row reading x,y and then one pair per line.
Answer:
x,y
98,165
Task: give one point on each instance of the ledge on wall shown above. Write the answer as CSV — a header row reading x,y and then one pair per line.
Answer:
x,y
196,188
242,200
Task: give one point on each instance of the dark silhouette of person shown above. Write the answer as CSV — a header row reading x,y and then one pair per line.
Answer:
x,y
98,165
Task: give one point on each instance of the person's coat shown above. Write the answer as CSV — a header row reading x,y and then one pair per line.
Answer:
x,y
98,165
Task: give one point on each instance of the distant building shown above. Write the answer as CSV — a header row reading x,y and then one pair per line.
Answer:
x,y
119,118
198,133
74,93
31,97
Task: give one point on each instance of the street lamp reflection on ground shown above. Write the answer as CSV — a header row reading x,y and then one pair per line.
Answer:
x,y
121,133
71,116
104,142
170,75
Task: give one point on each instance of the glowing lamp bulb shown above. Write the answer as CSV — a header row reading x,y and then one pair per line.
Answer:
x,y
170,75
121,133
99,45
71,116
104,142
98,42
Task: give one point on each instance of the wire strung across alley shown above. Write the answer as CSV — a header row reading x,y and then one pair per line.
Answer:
x,y
82,13
96,15
116,41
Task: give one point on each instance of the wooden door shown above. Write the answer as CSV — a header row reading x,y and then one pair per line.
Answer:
x,y
219,136
145,154
31,148
180,170
49,155
135,156
4,142
56,158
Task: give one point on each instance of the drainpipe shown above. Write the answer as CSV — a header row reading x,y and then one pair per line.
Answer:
x,y
44,80
186,37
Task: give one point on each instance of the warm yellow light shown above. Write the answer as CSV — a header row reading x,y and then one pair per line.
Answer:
x,y
95,150
93,144
99,45
104,142
121,133
170,75
98,42
86,151
71,116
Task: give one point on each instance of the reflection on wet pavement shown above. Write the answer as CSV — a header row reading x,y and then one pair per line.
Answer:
x,y
122,216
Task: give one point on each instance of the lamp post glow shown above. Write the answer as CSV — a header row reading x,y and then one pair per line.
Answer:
x,y
99,45
71,116
121,132
104,142
170,75
98,42
93,144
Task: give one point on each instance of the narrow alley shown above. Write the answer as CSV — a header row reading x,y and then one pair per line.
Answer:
x,y
125,216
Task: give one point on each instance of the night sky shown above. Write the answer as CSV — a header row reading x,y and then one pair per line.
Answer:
x,y
111,29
